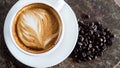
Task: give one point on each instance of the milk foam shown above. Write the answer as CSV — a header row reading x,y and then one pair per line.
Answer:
x,y
33,27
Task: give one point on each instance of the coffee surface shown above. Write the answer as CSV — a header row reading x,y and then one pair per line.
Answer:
x,y
37,28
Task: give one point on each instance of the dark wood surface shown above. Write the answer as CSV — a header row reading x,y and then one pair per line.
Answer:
x,y
105,11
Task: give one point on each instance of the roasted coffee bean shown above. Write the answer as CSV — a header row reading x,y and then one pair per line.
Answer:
x,y
89,58
81,38
82,32
93,40
91,32
80,43
85,16
101,44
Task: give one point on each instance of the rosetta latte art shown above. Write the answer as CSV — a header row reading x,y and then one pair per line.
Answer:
x,y
35,28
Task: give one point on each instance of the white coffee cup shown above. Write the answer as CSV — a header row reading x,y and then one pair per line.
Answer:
x,y
67,38
117,2
56,5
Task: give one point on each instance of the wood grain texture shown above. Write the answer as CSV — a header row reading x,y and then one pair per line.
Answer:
x,y
102,10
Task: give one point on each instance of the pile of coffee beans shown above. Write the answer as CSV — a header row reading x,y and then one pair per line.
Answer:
x,y
93,39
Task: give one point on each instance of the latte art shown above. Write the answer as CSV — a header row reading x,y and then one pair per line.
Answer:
x,y
33,27
36,29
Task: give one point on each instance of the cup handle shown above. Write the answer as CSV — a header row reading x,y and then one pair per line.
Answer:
x,y
59,5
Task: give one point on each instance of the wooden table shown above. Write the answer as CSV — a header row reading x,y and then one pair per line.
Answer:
x,y
105,11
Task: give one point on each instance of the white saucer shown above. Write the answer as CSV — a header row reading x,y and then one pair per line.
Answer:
x,y
57,56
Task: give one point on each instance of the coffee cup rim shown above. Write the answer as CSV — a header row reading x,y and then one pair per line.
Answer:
x,y
44,53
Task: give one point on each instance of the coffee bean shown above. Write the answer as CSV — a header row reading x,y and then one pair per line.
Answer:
x,y
93,40
89,58
90,45
80,43
84,54
85,16
101,40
